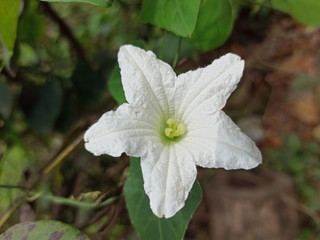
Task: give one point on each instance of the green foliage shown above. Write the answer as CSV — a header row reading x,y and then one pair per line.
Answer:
x,y
115,85
214,24
100,3
304,82
301,161
294,154
176,16
32,25
179,48
305,11
44,229
146,223
8,29
12,166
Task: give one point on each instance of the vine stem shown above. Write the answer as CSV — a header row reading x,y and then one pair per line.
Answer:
x,y
74,202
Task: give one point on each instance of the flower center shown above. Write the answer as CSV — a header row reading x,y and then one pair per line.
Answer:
x,y
173,130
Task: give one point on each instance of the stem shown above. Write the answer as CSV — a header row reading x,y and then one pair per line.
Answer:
x,y
12,186
74,202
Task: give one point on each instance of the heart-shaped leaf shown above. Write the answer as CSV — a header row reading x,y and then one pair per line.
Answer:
x,y
177,16
305,11
214,24
146,223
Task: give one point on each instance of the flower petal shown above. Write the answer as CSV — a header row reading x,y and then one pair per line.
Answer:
x,y
146,80
124,130
207,89
169,174
218,142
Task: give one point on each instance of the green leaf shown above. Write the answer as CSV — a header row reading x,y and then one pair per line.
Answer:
x,y
214,24
99,3
9,10
5,100
27,55
179,48
31,25
44,229
305,11
12,166
115,85
177,16
146,223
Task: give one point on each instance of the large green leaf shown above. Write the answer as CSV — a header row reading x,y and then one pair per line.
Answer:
x,y
31,25
214,24
177,16
146,223
305,11
100,3
43,230
115,85
171,48
12,166
9,12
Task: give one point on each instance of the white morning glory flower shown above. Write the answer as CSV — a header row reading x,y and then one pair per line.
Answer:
x,y
173,123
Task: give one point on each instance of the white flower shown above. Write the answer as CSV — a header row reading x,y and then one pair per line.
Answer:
x,y
173,123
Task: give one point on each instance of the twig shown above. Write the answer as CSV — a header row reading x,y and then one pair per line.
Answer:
x,y
95,218
302,208
65,29
112,216
65,152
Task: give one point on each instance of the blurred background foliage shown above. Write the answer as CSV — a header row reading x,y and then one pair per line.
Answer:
x,y
59,73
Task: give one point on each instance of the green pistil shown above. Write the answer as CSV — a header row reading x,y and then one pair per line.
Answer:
x,y
173,130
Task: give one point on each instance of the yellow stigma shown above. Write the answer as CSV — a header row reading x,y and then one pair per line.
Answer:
x,y
173,130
